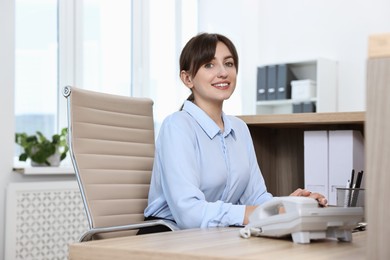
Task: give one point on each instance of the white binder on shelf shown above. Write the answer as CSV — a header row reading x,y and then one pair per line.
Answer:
x,y
316,161
346,152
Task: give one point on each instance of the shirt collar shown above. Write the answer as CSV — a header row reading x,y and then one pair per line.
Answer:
x,y
206,123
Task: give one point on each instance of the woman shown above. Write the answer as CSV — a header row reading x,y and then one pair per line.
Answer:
x,y
205,172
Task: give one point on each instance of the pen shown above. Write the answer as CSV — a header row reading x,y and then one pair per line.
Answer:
x,y
351,186
359,179
352,177
357,186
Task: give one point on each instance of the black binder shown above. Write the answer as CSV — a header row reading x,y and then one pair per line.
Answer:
x,y
261,83
297,107
283,82
309,107
271,82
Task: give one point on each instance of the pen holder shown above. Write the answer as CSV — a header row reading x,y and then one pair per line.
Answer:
x,y
350,197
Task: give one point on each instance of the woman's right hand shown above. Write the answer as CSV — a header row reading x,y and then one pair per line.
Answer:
x,y
322,201
248,211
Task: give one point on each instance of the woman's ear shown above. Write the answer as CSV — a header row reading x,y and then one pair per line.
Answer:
x,y
186,78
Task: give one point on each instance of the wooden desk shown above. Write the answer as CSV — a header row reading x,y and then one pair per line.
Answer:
x,y
215,243
278,141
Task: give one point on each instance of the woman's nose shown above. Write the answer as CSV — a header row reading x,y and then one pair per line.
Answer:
x,y
222,73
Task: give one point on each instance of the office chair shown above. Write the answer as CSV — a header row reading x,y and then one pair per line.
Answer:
x,y
111,144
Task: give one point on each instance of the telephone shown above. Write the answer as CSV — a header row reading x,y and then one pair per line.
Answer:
x,y
303,219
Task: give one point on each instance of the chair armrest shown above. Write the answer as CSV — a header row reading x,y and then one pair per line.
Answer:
x,y
90,233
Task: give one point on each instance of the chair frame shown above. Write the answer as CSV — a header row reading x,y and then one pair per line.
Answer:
x,y
89,234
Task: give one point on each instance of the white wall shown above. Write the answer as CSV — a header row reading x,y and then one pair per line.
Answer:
x,y
276,31
238,21
6,107
300,29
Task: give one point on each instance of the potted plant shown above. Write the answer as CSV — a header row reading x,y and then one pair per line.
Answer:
x,y
41,150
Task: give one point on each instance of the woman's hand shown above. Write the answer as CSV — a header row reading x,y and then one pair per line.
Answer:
x,y
322,201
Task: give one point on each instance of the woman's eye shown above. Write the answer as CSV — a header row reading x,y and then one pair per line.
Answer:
x,y
229,64
208,65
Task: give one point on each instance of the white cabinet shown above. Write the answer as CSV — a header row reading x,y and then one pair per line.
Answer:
x,y
321,71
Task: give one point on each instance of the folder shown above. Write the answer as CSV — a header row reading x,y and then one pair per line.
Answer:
x,y
271,82
316,161
346,152
262,83
283,83
308,107
298,107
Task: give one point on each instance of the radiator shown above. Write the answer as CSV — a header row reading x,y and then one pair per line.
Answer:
x,y
42,219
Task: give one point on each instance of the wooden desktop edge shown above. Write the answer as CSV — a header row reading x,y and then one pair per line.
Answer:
x,y
282,120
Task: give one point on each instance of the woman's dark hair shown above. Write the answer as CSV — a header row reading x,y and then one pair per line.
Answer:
x,y
200,50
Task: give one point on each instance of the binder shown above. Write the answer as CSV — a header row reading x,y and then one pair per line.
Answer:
x,y
346,152
283,83
316,161
308,107
271,82
261,83
298,107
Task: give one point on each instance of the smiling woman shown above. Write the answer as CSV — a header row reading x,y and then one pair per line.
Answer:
x,y
210,73
205,172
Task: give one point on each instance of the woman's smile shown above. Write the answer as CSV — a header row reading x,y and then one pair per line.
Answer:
x,y
221,85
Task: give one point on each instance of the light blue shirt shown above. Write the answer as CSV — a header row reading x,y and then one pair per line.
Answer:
x,y
201,176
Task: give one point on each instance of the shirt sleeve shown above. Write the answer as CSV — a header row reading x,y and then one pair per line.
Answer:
x,y
177,155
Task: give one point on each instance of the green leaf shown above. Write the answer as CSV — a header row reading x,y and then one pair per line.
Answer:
x,y
23,157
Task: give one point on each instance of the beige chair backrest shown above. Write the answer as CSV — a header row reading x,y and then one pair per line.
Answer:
x,y
111,140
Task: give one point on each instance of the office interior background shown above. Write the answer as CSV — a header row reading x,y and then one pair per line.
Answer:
x,y
132,48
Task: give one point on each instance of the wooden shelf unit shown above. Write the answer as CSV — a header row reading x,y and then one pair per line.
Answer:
x,y
278,141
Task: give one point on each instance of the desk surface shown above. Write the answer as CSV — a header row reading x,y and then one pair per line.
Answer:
x,y
215,243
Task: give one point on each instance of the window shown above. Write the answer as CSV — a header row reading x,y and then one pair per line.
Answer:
x,y
36,71
166,42
100,42
105,42
122,47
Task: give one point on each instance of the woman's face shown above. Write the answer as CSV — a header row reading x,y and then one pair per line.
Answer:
x,y
215,81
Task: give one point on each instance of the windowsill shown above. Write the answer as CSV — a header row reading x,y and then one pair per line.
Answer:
x,y
25,168
44,170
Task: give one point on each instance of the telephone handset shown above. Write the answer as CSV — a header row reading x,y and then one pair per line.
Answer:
x,y
303,219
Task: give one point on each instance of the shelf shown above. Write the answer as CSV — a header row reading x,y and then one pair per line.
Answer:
x,y
283,102
322,71
279,143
